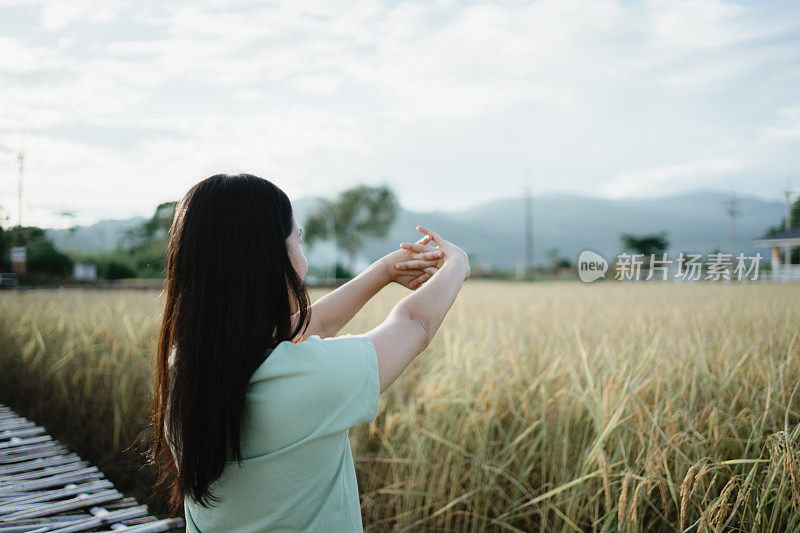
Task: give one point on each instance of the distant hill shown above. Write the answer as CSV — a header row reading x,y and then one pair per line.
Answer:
x,y
493,232
100,236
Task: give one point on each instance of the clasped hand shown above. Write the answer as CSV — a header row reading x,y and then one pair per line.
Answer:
x,y
414,263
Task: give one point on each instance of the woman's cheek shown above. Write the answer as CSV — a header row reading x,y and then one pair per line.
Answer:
x,y
299,261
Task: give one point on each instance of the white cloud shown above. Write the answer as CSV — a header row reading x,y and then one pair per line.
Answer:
x,y
694,25
658,181
789,128
58,14
149,96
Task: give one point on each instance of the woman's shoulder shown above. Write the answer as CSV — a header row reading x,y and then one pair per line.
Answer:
x,y
288,357
312,354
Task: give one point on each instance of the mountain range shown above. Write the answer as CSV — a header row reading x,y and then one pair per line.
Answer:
x,y
493,233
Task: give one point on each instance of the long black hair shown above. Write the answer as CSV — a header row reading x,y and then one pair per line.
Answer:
x,y
231,291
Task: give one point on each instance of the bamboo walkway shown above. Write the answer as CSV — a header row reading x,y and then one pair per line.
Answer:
x,y
45,488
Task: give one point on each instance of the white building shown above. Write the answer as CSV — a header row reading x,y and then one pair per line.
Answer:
x,y
84,271
782,244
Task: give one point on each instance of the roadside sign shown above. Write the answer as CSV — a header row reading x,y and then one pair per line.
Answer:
x,y
18,254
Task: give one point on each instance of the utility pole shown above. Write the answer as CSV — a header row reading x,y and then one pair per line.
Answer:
x,y
788,193
732,208
528,230
21,159
72,229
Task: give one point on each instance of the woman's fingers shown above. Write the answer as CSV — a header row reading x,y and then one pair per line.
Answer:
x,y
415,264
422,278
427,231
416,247
419,280
430,270
423,258
433,255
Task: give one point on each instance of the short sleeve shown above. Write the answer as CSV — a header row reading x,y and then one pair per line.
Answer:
x,y
349,378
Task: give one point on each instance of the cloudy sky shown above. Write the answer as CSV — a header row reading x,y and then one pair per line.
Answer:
x,y
121,105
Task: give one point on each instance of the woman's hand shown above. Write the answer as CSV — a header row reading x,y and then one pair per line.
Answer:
x,y
449,250
412,268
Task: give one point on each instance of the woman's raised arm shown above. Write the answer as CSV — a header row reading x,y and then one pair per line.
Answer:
x,y
409,268
413,322
335,309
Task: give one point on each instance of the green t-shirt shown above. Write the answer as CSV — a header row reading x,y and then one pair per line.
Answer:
x,y
297,472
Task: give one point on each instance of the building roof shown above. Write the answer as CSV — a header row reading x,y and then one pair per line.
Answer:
x,y
791,236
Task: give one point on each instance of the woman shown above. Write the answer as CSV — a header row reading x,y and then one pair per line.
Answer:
x,y
253,392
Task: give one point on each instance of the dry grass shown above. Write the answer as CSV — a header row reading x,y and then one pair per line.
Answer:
x,y
538,407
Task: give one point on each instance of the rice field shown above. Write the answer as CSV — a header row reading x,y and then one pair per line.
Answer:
x,y
538,406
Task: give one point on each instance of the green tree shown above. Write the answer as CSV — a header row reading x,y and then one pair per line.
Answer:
x,y
153,230
556,262
794,220
655,243
342,271
146,244
112,268
5,251
42,255
358,212
151,262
